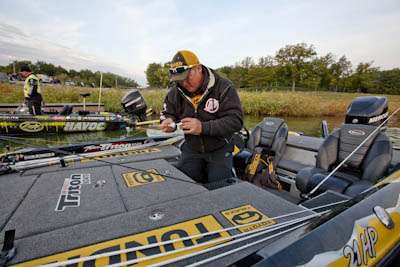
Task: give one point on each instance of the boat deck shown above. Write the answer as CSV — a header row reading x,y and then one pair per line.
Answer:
x,y
93,207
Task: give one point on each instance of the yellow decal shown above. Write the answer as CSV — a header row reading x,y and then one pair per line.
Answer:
x,y
393,178
123,154
181,230
247,214
369,243
138,178
31,126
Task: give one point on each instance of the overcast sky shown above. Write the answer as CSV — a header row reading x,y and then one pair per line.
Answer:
x,y
125,36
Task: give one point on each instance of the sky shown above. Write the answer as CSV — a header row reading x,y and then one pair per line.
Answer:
x,y
125,36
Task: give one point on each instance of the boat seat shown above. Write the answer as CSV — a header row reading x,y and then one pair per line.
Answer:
x,y
268,138
364,168
270,135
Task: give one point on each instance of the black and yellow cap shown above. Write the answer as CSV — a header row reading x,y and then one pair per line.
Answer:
x,y
181,64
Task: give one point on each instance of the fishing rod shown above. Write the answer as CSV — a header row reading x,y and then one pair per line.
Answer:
x,y
307,196
152,245
240,238
63,160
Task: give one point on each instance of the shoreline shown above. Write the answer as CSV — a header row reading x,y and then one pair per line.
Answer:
x,y
254,103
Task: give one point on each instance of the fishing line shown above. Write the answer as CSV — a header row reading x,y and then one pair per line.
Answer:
x,y
108,254
239,248
242,237
227,244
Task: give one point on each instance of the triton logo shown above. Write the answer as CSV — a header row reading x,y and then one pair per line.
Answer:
x,y
356,132
70,196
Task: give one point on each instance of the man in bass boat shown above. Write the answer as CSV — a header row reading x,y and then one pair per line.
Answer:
x,y
209,110
32,92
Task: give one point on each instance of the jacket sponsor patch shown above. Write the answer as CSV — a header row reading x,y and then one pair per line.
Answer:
x,y
212,105
193,227
137,178
247,214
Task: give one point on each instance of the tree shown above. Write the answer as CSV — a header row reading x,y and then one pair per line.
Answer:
x,y
340,70
293,58
157,75
246,63
364,77
317,72
267,61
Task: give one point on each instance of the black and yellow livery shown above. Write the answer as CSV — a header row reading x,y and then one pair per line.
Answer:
x,y
24,124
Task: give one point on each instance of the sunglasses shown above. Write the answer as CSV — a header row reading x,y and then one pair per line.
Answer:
x,y
179,70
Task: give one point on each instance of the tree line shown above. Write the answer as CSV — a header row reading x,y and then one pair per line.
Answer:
x,y
82,77
298,67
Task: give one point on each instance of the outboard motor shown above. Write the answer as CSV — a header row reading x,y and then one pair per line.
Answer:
x,y
368,110
134,104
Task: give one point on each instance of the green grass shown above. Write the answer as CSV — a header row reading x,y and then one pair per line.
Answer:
x,y
264,103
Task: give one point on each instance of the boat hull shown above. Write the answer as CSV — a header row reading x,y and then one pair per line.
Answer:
x,y
32,125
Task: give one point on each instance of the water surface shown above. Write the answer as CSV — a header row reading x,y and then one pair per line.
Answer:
x,y
308,126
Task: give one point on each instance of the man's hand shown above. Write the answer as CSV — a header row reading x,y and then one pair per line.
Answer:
x,y
191,126
168,125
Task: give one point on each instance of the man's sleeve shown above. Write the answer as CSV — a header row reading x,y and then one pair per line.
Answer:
x,y
230,115
169,107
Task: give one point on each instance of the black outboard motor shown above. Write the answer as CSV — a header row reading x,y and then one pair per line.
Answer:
x,y
368,110
134,104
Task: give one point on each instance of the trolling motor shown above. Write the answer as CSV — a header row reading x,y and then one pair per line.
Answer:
x,y
134,105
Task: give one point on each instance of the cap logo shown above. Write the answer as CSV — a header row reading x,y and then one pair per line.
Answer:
x,y
176,64
356,132
212,105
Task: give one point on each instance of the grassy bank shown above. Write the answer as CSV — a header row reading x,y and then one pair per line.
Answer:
x,y
266,103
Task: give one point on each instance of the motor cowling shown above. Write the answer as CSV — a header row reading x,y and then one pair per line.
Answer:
x,y
134,104
368,110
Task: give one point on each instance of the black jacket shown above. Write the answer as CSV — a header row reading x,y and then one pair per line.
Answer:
x,y
219,111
